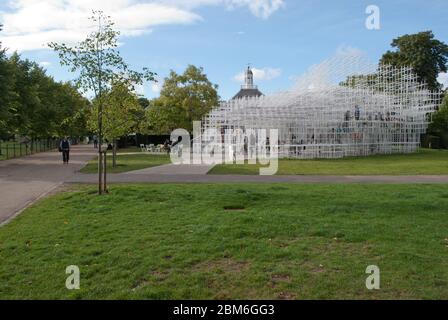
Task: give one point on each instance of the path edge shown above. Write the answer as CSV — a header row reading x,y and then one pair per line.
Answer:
x,y
29,204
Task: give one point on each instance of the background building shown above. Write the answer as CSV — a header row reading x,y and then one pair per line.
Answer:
x,y
248,89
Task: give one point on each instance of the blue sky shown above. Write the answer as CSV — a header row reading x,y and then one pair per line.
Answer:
x,y
280,38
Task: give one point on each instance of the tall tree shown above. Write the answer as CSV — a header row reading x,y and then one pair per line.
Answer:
x,y
183,99
5,92
99,64
426,55
24,102
32,104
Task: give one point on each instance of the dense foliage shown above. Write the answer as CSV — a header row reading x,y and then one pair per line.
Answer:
x,y
33,104
184,98
121,113
426,55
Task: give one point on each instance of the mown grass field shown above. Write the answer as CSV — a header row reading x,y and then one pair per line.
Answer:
x,y
129,160
425,162
274,241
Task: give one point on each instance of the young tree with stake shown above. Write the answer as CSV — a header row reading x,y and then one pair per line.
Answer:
x,y
99,64
121,109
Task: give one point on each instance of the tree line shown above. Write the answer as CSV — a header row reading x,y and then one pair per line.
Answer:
x,y
34,105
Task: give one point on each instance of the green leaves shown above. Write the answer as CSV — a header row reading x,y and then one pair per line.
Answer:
x,y
426,55
121,109
32,103
184,98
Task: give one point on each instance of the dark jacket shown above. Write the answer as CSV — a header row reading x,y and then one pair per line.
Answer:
x,y
65,145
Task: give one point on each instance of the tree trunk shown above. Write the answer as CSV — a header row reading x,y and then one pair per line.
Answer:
x,y
105,172
114,154
100,172
100,149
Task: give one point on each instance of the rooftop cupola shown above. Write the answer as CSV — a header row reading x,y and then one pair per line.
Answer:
x,y
249,79
248,89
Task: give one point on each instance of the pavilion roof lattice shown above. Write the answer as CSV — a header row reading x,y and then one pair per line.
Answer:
x,y
344,106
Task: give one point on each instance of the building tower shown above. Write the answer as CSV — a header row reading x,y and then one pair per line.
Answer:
x,y
248,89
249,79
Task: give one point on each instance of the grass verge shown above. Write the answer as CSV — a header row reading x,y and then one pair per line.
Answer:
x,y
247,241
425,162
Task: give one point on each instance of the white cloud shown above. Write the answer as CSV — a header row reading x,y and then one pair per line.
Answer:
x,y
264,74
139,90
443,79
45,64
31,24
156,87
260,8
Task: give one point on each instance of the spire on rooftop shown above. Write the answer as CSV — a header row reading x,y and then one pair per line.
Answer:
x,y
248,89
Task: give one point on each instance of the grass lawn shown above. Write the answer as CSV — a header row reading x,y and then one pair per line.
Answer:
x,y
129,150
129,162
279,241
425,162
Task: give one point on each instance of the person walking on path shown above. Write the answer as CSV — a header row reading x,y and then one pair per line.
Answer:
x,y
64,147
95,142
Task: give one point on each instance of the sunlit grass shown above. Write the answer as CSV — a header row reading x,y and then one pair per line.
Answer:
x,y
246,241
425,162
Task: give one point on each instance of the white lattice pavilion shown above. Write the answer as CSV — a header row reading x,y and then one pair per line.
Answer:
x,y
342,107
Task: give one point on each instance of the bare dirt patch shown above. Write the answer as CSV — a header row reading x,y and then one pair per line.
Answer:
x,y
235,208
286,296
226,265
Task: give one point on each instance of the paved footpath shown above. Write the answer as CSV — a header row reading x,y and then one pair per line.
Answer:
x,y
164,177
24,180
174,170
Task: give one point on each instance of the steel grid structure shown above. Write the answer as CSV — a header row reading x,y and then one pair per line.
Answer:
x,y
342,107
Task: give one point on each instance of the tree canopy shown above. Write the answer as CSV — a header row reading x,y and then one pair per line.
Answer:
x,y
426,55
184,98
33,104
121,106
